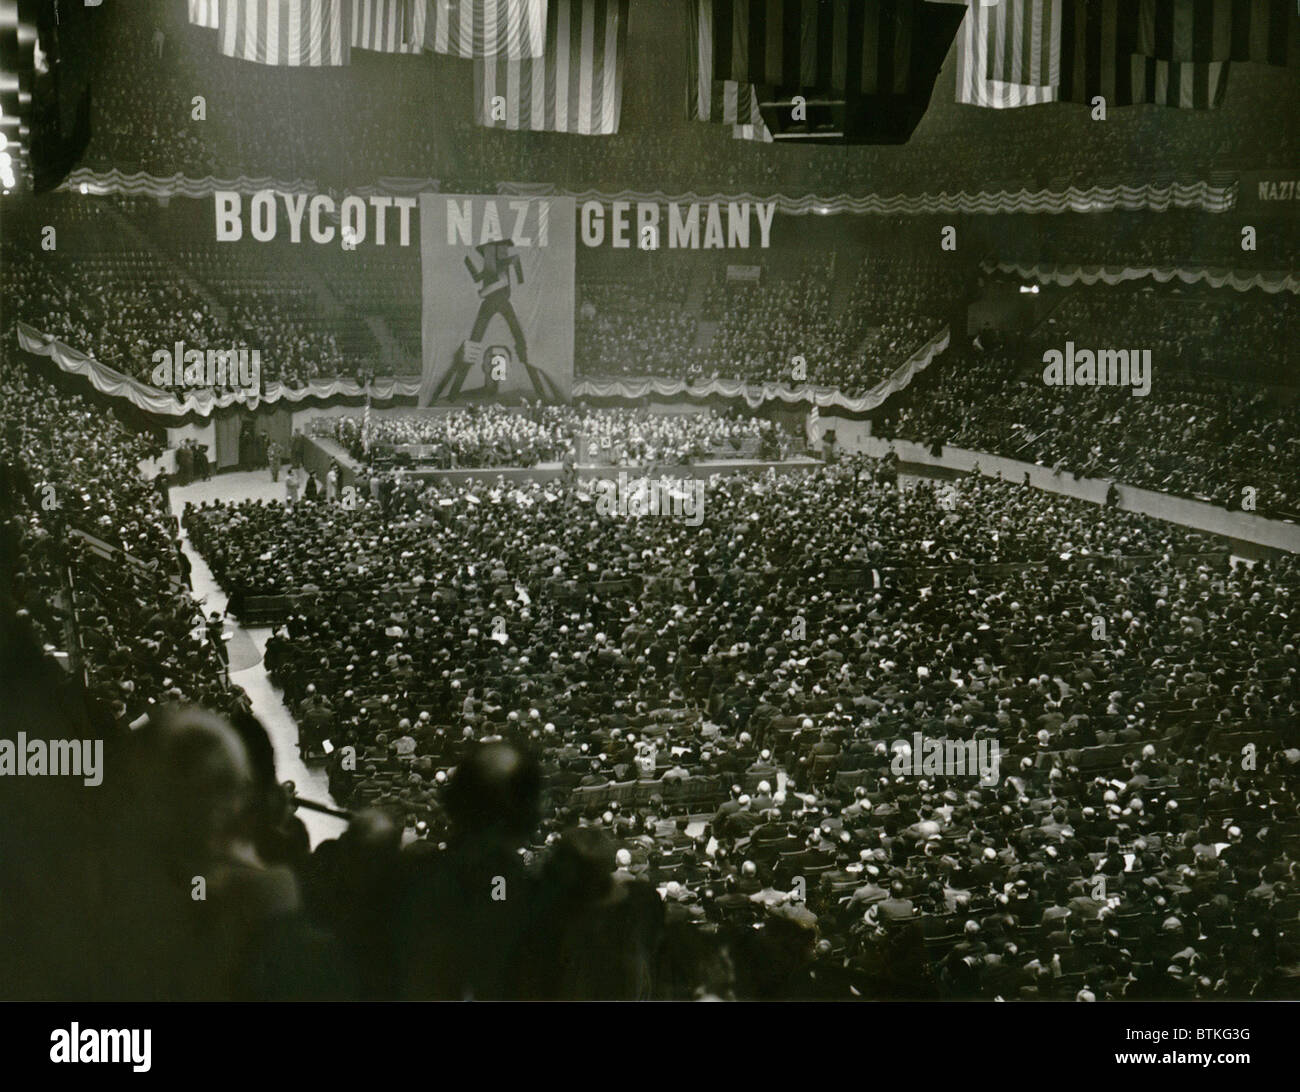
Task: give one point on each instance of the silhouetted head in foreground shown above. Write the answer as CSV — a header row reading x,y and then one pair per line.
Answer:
x,y
495,791
192,779
581,864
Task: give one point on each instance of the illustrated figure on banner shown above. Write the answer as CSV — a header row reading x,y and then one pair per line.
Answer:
x,y
498,270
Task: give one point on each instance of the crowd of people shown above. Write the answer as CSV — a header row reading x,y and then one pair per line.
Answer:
x,y
722,704
1174,238
786,327
677,746
789,326
492,436
633,329
121,307
76,500
121,310
591,751
1209,331
1209,427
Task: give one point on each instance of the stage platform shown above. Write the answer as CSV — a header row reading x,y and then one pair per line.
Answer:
x,y
321,451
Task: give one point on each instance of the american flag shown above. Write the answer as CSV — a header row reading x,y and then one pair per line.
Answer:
x,y
1099,39
576,86
1008,58
487,28
727,101
826,46
205,13
294,33
1259,31
389,26
1024,42
757,132
1024,52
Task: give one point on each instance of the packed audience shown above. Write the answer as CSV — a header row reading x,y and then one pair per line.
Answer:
x,y
626,328
1174,238
787,327
720,715
680,745
681,752
122,309
1198,433
491,435
76,503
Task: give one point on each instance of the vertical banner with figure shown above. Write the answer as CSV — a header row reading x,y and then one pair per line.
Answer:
x,y
498,297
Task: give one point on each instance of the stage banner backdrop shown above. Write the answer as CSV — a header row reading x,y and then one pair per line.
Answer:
x,y
498,296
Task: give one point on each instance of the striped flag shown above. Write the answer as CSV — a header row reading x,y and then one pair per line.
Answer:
x,y
1024,42
821,46
991,40
1266,32
1097,39
757,131
1186,30
576,86
708,99
1259,31
1099,56
487,28
389,26
285,32
733,103
205,13
1187,85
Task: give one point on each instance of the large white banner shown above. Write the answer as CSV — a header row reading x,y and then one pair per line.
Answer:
x,y
498,296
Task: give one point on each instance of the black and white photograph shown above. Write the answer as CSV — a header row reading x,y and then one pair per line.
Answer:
x,y
651,501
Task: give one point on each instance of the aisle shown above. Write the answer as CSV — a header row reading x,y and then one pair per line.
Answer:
x,y
249,644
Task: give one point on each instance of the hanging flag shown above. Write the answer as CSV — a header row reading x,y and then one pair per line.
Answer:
x,y
983,46
1258,31
757,131
487,28
1187,85
864,68
205,13
812,426
735,104
1023,42
1098,37
1186,30
576,86
285,32
817,46
707,99
1099,57
1266,32
389,26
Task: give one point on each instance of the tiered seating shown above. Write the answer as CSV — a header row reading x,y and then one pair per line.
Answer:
x,y
631,327
650,702
1194,434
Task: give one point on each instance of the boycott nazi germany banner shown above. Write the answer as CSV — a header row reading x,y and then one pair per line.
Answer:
x,y
498,275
